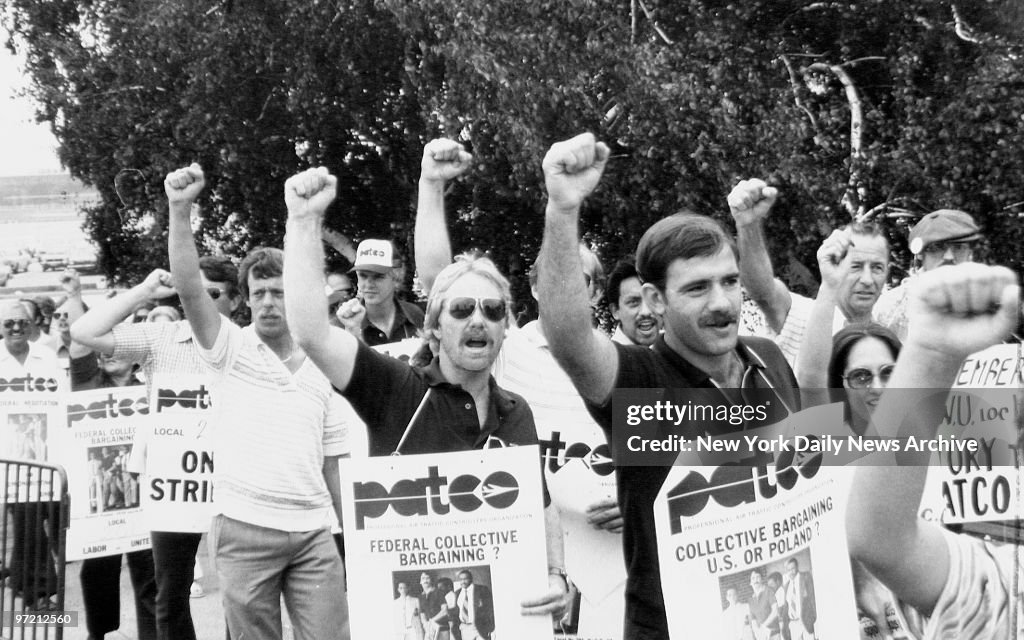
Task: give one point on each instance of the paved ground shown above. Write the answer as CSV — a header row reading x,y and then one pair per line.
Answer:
x,y
207,613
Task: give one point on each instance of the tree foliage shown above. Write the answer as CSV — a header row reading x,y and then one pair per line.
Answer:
x,y
877,108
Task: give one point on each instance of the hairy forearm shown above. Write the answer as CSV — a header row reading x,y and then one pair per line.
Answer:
x,y
184,257
816,348
564,306
306,308
102,318
432,245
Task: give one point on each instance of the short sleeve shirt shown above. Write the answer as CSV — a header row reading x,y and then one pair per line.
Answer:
x,y
978,601
387,393
659,367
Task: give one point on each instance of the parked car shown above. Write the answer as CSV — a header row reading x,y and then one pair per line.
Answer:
x,y
52,259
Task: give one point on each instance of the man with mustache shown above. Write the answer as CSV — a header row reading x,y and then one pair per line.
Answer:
x,y
279,431
689,266
943,237
637,323
787,313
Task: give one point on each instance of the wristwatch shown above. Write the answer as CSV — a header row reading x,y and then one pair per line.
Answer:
x,y
559,571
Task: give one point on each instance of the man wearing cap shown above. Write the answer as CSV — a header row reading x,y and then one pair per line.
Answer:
x,y
387,319
943,237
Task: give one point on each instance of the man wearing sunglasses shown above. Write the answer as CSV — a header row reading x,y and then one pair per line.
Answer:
x,y
689,266
453,403
943,237
574,450
32,572
161,349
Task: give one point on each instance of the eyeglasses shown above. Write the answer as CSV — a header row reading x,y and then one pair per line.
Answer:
x,y
492,308
20,324
214,292
60,315
961,250
861,378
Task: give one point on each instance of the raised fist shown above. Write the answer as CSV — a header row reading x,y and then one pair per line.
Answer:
x,y
750,201
572,170
158,284
444,160
309,193
832,257
958,310
183,186
351,314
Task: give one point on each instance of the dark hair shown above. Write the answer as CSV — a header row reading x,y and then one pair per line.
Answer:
x,y
220,269
872,230
683,236
263,262
624,270
844,340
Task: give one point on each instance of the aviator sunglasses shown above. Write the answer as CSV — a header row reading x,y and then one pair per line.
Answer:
x,y
462,308
861,378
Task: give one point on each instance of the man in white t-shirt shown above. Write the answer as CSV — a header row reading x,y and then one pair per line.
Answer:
x,y
280,431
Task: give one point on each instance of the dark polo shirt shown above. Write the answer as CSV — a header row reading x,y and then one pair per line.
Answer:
x,y
659,367
408,321
386,393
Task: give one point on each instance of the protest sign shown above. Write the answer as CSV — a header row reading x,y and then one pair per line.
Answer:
x,y
979,485
178,448
754,533
106,516
468,517
31,413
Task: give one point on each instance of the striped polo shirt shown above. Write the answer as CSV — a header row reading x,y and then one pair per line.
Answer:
x,y
272,431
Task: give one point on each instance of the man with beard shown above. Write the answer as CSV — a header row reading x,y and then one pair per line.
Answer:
x,y
787,313
943,237
688,264
637,323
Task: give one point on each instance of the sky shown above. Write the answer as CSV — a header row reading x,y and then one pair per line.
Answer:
x,y
27,148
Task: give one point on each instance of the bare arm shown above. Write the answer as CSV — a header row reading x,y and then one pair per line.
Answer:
x,y
556,599
182,187
332,350
749,202
955,311
572,170
816,348
71,283
443,160
94,329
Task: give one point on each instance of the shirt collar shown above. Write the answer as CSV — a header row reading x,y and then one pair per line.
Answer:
x,y
748,358
504,402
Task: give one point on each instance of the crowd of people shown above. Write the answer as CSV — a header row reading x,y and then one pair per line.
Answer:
x,y
696,307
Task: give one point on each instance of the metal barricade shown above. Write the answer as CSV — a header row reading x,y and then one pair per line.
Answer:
x,y
33,535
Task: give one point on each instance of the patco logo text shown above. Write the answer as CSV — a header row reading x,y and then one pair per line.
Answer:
x,y
433,493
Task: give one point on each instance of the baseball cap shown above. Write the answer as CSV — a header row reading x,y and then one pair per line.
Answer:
x,y
374,255
943,225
